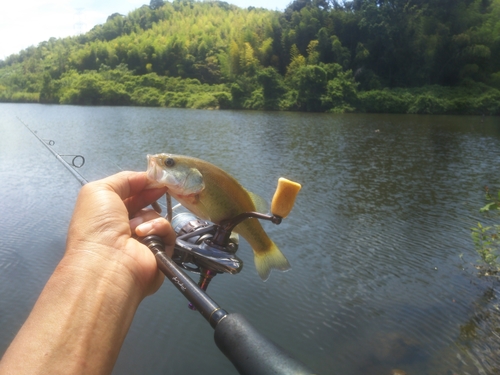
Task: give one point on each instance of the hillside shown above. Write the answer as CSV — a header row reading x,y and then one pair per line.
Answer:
x,y
403,56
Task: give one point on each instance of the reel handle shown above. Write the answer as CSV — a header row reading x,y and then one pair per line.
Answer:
x,y
284,197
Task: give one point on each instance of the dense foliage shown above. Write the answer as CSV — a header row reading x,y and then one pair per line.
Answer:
x,y
401,56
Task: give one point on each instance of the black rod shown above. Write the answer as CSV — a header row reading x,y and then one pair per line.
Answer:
x,y
249,351
207,307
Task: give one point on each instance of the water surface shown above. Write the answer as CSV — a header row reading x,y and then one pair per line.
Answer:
x,y
379,239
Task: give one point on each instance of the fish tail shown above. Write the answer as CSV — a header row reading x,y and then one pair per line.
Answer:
x,y
271,258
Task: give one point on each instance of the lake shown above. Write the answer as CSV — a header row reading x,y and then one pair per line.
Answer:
x,y
382,276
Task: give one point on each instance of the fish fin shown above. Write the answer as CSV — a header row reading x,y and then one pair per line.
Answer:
x,y
198,208
260,203
272,258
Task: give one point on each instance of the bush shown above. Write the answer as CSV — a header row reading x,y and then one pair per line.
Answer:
x,y
203,101
462,105
88,87
256,101
488,103
25,97
176,99
310,81
289,101
114,94
383,101
428,104
224,99
69,96
147,96
341,93
151,80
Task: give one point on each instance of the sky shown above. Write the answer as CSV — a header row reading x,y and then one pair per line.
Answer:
x,y
28,22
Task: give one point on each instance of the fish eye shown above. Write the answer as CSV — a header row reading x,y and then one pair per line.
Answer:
x,y
169,162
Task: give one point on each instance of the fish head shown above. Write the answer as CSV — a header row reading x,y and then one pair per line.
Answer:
x,y
176,172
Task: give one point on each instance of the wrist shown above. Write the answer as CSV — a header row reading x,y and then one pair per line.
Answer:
x,y
106,270
126,263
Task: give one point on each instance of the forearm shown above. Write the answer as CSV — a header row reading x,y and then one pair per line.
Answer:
x,y
77,325
83,314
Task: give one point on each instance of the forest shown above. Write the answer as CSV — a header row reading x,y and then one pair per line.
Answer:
x,y
373,56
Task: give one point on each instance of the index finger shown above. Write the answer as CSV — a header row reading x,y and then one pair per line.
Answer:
x,y
126,184
132,188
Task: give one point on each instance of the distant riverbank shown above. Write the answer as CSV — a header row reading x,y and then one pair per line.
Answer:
x,y
340,95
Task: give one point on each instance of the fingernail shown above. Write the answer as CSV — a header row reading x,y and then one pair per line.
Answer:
x,y
136,221
144,228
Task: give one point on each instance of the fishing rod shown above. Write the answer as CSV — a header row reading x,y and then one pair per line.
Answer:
x,y
208,249
77,162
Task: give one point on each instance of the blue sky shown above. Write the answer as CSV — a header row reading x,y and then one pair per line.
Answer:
x,y
29,22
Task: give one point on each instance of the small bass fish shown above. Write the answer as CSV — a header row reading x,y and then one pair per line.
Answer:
x,y
214,195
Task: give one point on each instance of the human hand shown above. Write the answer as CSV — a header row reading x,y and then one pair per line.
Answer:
x,y
100,237
80,320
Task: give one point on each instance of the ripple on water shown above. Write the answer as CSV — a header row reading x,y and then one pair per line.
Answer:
x,y
9,260
374,239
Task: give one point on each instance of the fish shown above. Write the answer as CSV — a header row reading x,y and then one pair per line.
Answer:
x,y
214,195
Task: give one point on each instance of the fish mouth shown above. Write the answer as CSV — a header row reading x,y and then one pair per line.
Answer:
x,y
180,180
155,172
160,177
152,171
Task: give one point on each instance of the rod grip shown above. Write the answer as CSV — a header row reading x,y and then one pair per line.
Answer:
x,y
251,352
284,197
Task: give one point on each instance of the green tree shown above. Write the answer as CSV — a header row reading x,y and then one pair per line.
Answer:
x,y
341,90
272,88
156,4
310,81
47,94
391,54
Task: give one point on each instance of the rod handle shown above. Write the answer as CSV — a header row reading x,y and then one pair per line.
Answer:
x,y
284,197
251,352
